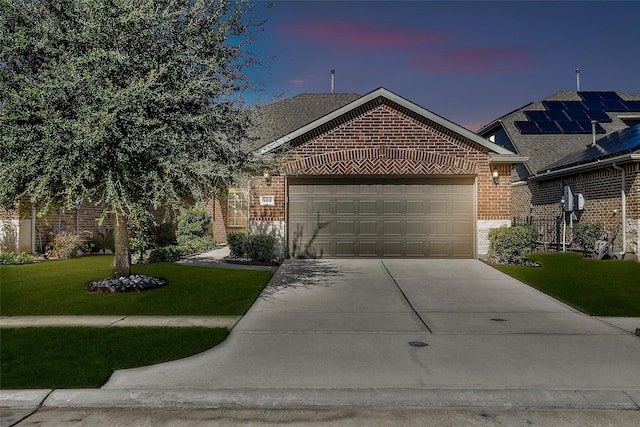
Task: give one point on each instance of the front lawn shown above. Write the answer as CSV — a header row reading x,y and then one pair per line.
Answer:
x,y
58,288
598,288
86,357
78,357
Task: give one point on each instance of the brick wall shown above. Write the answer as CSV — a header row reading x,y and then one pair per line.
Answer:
x,y
274,186
380,139
601,191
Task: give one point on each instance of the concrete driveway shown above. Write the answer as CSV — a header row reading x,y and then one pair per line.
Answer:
x,y
349,324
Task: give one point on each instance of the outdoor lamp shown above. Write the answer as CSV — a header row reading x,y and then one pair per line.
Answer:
x,y
267,177
495,175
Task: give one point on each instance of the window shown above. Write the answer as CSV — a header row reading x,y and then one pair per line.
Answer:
x,y
238,207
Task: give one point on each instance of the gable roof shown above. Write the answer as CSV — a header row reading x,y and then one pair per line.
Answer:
x,y
544,149
283,117
498,153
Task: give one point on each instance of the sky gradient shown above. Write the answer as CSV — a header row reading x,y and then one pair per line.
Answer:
x,y
469,61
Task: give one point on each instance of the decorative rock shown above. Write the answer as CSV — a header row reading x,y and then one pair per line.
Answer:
x,y
108,252
136,282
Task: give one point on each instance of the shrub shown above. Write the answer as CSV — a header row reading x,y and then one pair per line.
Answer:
x,y
166,254
237,241
261,248
586,235
65,243
102,240
173,253
15,258
511,245
199,244
164,234
192,223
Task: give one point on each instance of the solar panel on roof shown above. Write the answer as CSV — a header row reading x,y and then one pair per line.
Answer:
x,y
617,143
590,95
574,105
598,115
593,104
548,126
556,115
570,127
578,115
553,105
527,127
614,105
609,95
586,126
536,115
633,105
624,140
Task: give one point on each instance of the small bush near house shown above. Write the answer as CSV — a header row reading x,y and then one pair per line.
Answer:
x,y
511,245
237,241
15,258
261,248
170,253
64,244
199,244
164,234
192,223
173,253
102,240
586,235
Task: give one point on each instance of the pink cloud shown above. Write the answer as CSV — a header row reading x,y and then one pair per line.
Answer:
x,y
361,35
476,60
296,81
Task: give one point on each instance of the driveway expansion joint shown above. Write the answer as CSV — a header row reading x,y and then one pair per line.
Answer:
x,y
415,312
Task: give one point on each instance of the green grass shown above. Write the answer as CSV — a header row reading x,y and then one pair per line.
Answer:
x,y
58,288
598,288
86,357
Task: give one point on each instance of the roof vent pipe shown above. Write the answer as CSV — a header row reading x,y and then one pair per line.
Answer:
x,y
333,74
593,132
578,79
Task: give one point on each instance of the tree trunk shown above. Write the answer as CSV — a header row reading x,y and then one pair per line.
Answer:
x,y
123,252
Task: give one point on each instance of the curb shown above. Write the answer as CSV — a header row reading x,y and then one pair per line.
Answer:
x,y
324,398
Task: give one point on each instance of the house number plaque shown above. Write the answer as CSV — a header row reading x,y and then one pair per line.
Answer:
x,y
267,200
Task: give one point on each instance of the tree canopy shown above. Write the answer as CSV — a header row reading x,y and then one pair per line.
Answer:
x,y
121,101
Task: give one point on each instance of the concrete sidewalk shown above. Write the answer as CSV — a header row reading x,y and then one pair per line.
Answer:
x,y
120,321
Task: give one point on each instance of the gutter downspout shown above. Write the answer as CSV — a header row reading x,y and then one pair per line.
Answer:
x,y
623,198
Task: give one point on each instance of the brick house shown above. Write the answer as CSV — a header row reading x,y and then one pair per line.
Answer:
x,y
580,145
348,176
375,176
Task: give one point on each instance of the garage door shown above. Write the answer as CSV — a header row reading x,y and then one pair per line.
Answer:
x,y
381,218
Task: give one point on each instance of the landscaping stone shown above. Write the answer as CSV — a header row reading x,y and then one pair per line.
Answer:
x,y
136,282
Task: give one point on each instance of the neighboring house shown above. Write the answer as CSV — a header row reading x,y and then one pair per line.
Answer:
x,y
583,147
373,176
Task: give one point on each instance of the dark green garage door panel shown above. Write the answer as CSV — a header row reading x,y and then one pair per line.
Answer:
x,y
381,218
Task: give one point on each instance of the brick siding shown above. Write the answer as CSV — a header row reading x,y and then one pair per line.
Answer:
x,y
380,139
601,191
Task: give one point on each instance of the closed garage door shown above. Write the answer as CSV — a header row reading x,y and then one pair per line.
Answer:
x,y
381,217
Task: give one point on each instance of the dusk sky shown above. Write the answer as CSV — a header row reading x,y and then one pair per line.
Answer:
x,y
469,61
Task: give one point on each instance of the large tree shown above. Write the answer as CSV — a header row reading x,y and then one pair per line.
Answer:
x,y
121,102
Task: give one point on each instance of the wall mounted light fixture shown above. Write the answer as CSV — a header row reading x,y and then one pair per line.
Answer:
x,y
495,175
267,177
